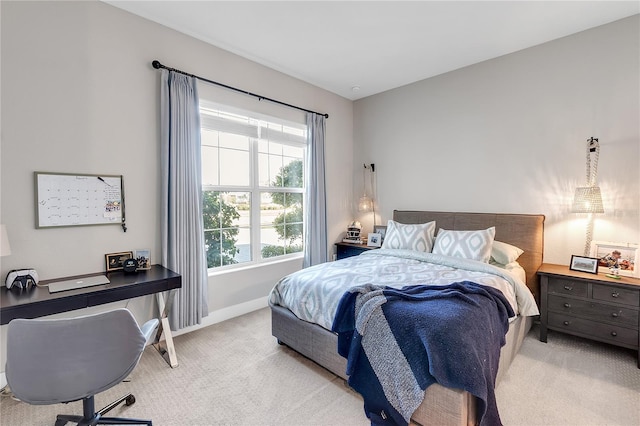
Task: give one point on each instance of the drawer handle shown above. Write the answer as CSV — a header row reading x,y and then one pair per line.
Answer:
x,y
568,287
567,305
615,315
615,294
566,323
614,334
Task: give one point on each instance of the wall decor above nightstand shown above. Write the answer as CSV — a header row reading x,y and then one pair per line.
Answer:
x,y
591,306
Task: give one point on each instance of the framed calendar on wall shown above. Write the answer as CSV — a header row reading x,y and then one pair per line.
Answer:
x,y
65,199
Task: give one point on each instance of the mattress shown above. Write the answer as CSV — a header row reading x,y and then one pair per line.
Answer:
x,y
313,294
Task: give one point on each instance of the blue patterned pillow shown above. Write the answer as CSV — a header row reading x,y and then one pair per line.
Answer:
x,y
417,237
474,245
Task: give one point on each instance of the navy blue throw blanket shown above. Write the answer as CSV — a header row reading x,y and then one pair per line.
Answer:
x,y
399,341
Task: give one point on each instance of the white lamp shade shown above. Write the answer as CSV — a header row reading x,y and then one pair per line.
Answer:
x,y
5,248
587,199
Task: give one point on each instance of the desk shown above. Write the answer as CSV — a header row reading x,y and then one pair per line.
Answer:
x,y
39,302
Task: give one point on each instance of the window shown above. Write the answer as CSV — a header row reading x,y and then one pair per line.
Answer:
x,y
253,185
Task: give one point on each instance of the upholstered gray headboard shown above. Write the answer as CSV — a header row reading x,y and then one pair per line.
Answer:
x,y
521,230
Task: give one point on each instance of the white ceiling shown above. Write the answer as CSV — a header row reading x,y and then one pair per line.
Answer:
x,y
375,45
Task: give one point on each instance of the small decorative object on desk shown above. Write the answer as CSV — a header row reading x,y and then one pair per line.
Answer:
x,y
374,240
130,265
620,258
584,264
114,261
143,257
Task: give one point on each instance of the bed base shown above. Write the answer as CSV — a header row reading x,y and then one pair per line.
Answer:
x,y
441,405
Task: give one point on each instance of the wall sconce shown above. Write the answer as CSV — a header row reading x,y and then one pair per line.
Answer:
x,y
365,203
5,248
588,199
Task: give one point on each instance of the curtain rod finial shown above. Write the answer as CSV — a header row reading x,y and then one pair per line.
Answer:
x,y
156,64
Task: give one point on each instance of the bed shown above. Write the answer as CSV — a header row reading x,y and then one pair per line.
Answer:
x,y
441,405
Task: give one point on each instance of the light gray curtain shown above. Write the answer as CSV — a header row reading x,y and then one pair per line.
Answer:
x,y
315,223
182,223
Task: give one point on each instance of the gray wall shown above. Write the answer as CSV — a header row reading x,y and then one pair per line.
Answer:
x,y
509,135
79,95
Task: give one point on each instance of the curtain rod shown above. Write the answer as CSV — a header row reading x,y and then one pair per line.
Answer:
x,y
157,65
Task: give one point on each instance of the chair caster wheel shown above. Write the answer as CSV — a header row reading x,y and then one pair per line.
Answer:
x,y
130,400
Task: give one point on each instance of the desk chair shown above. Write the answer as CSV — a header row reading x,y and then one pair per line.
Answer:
x,y
55,361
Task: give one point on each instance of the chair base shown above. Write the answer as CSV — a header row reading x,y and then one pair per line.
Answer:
x,y
92,417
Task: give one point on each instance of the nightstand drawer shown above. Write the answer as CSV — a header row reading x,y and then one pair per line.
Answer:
x,y
594,311
605,332
344,250
616,294
569,287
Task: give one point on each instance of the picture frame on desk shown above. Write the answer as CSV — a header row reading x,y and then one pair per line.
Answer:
x,y
114,261
584,264
143,257
623,257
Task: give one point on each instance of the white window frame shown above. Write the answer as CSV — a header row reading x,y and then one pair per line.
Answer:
x,y
254,188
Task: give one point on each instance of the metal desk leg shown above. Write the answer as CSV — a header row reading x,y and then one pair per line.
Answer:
x,y
167,350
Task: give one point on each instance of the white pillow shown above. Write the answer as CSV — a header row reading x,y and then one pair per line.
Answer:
x,y
474,245
504,253
417,237
514,268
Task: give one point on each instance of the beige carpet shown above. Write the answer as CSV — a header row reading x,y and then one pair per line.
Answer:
x,y
234,373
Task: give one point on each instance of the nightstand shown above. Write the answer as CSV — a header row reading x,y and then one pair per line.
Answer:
x,y
590,305
344,250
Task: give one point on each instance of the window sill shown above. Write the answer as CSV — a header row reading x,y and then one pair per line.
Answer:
x,y
252,265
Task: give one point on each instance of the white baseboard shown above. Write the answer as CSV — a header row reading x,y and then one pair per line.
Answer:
x,y
225,314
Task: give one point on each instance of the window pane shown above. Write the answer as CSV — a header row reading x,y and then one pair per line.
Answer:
x,y
280,223
229,140
234,167
275,148
293,176
292,151
289,175
279,170
275,170
210,168
209,137
226,222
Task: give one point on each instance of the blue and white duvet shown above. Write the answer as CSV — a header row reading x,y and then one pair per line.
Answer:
x,y
313,294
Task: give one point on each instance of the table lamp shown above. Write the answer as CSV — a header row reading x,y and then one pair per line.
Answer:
x,y
588,199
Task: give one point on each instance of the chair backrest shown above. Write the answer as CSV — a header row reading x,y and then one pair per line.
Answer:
x,y
61,360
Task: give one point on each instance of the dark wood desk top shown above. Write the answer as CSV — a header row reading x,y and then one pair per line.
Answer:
x,y
37,302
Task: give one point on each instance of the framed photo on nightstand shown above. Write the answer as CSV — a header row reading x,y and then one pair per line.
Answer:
x,y
374,240
584,264
621,258
380,229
